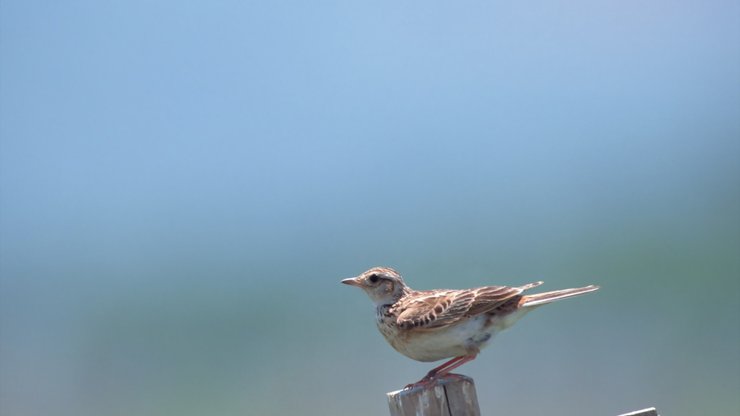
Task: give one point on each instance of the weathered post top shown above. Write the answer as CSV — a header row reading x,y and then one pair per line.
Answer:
x,y
453,395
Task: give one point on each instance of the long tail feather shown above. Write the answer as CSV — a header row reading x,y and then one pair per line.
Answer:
x,y
547,297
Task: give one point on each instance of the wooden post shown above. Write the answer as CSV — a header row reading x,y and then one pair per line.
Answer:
x,y
448,396
453,395
650,411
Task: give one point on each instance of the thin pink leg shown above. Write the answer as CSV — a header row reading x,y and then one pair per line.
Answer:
x,y
450,365
439,368
442,370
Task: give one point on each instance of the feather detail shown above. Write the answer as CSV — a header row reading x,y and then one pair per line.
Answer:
x,y
547,297
439,308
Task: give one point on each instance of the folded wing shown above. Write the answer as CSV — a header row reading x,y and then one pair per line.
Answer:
x,y
434,309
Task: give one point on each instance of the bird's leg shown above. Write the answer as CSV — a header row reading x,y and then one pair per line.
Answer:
x,y
442,370
445,368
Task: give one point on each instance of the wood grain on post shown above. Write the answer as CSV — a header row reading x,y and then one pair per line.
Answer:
x,y
449,396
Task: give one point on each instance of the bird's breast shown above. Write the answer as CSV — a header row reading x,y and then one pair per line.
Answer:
x,y
462,338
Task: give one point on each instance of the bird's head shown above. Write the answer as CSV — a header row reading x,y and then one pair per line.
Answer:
x,y
383,285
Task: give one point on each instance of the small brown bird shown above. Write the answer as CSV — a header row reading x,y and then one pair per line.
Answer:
x,y
432,325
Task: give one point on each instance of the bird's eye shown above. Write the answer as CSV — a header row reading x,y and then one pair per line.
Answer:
x,y
373,278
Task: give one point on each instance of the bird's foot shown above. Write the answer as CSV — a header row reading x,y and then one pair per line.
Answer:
x,y
424,383
431,379
443,371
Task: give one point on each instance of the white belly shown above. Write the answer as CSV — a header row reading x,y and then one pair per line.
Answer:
x,y
463,338
466,337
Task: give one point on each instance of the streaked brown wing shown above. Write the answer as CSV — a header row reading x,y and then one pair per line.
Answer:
x,y
490,297
434,309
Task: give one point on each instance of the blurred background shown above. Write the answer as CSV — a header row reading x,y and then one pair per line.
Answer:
x,y
183,185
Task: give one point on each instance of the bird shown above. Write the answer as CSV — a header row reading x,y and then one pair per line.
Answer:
x,y
432,325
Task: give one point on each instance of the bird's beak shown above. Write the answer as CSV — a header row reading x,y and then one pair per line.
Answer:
x,y
352,281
